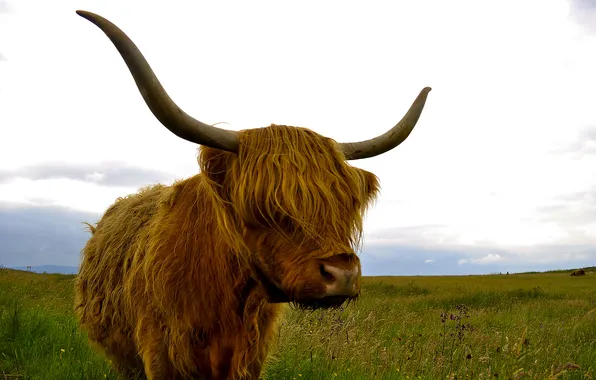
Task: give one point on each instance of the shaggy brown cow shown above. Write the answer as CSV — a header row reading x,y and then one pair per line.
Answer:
x,y
187,281
578,272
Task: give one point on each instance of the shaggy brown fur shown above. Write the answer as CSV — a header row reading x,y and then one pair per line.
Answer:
x,y
182,281
578,272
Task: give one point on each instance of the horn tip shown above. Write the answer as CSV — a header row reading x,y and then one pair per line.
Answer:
x,y
86,14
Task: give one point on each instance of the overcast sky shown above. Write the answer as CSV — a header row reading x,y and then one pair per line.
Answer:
x,y
499,173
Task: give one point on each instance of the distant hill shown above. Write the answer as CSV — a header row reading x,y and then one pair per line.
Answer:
x,y
62,269
587,269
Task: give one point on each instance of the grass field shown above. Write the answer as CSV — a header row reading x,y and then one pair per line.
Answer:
x,y
532,326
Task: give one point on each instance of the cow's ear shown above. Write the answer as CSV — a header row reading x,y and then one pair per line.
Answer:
x,y
214,163
370,185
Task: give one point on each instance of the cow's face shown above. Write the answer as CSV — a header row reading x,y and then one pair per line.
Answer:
x,y
300,205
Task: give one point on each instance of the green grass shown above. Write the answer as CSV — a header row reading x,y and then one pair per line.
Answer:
x,y
39,337
533,326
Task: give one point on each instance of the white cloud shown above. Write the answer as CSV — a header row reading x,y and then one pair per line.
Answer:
x,y
94,177
84,196
462,261
488,259
584,13
5,6
429,261
512,86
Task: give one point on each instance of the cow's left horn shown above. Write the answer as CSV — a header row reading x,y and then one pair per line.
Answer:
x,y
162,106
391,138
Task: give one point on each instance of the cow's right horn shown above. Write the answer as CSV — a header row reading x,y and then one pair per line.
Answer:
x,y
391,138
162,106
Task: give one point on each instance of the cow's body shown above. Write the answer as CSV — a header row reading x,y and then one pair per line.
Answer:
x,y
187,281
165,274
162,285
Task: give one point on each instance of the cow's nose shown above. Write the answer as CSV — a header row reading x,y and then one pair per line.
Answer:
x,y
340,282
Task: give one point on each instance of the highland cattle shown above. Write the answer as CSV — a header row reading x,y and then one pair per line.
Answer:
x,y
578,272
187,281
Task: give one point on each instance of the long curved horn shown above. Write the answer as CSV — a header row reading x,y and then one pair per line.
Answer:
x,y
162,106
391,138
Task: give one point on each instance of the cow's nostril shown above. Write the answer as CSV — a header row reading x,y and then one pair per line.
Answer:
x,y
339,281
326,275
